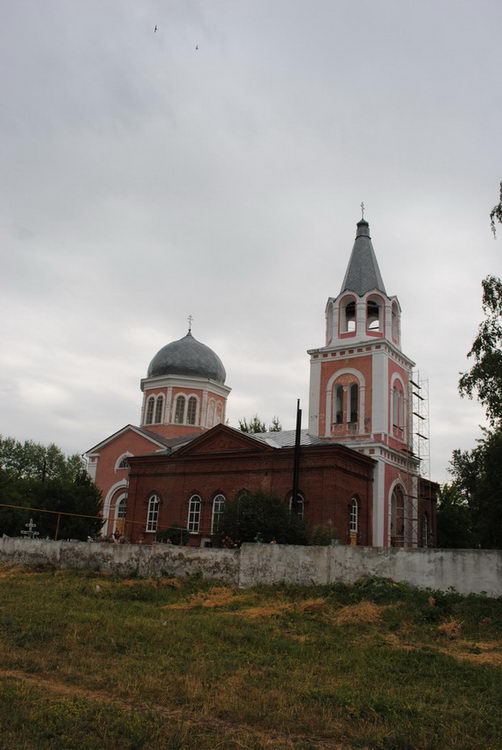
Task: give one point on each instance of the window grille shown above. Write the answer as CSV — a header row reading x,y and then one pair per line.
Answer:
x,y
152,516
179,415
194,514
218,506
149,410
191,410
158,409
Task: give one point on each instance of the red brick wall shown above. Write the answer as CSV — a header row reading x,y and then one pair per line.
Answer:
x,y
329,477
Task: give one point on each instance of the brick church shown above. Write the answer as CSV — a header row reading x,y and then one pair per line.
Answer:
x,y
358,474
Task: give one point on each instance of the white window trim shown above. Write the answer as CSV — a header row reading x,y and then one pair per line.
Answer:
x,y
354,503
359,377
220,496
120,459
150,398
154,498
194,498
116,514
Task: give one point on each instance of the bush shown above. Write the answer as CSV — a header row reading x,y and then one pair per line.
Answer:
x,y
261,516
175,534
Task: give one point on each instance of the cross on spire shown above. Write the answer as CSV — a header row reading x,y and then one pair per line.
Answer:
x,y
190,321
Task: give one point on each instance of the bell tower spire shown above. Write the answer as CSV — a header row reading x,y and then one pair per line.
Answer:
x,y
360,380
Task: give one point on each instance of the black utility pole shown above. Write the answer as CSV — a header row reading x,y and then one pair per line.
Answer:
x,y
296,461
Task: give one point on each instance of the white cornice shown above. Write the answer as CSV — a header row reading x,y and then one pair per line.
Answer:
x,y
180,381
355,345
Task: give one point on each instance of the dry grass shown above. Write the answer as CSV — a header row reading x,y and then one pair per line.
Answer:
x,y
353,614
451,628
246,670
218,596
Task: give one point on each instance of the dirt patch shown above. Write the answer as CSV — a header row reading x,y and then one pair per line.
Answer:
x,y
363,612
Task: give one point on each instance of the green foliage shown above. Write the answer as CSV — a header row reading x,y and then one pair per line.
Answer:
x,y
478,478
276,426
274,666
31,460
176,534
321,535
454,525
37,476
259,515
496,213
484,379
254,425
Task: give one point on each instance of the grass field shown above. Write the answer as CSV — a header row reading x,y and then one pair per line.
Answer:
x,y
93,661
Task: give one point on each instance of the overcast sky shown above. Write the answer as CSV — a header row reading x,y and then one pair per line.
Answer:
x,y
143,180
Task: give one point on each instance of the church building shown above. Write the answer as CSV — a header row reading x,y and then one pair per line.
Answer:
x,y
359,476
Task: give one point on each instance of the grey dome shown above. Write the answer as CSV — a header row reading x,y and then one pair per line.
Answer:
x,y
187,357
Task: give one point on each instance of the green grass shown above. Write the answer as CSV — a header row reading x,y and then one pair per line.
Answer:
x,y
92,661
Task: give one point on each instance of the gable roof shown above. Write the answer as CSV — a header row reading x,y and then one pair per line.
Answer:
x,y
153,437
221,438
362,273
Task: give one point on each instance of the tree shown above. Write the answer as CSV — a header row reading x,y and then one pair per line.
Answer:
x,y
276,426
254,425
37,476
496,213
261,516
36,461
454,526
478,478
484,379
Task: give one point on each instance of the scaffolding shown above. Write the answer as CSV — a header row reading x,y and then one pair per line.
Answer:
x,y
420,445
420,429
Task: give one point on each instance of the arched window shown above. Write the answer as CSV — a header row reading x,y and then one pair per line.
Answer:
x,y
354,402
194,514
122,508
347,315
398,407
218,505
191,410
159,406
373,315
149,410
152,514
339,404
300,505
350,316
397,518
123,463
179,413
354,516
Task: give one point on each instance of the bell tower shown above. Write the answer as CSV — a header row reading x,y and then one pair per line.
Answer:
x,y
360,395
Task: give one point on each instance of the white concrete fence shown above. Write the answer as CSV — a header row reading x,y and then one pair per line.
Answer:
x,y
467,571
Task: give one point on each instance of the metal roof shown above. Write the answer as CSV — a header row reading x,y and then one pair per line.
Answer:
x,y
187,357
286,438
362,273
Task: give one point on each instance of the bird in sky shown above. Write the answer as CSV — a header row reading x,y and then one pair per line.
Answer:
x,y
155,29
196,47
